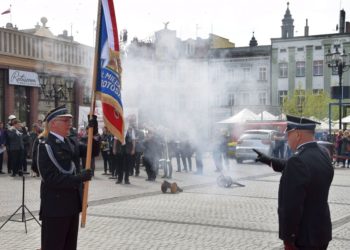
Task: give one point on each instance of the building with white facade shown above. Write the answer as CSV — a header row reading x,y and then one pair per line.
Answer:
x,y
298,63
240,78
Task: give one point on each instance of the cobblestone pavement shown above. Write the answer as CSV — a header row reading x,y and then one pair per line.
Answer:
x,y
204,216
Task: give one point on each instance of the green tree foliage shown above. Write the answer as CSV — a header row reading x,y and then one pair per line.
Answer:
x,y
307,104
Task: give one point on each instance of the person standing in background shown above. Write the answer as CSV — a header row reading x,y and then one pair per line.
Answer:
x,y
2,145
15,145
11,118
105,151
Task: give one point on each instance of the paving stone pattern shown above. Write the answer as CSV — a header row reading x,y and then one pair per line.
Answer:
x,y
204,216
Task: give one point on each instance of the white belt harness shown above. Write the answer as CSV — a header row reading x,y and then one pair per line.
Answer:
x,y
54,161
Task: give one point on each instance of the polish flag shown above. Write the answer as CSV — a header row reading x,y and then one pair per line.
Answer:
x,y
6,11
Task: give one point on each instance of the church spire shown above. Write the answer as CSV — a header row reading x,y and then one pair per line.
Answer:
x,y
253,42
287,24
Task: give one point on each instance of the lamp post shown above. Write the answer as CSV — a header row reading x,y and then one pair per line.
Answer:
x,y
340,63
56,88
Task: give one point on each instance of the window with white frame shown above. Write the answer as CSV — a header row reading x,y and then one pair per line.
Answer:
x,y
300,69
318,68
262,74
231,99
262,98
300,94
282,96
283,70
246,73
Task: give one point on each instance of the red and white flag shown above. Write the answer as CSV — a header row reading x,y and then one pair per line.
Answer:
x,y
6,11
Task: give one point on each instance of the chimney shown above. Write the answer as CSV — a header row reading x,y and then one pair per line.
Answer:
x,y
342,21
306,29
347,29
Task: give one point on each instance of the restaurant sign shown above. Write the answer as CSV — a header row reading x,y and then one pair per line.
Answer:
x,y
23,78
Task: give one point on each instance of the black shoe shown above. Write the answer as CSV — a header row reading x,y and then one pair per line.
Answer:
x,y
127,182
136,175
25,172
2,172
118,182
13,175
112,177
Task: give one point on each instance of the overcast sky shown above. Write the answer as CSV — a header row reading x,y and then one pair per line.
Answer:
x,y
232,19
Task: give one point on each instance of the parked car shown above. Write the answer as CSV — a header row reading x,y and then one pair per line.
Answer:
x,y
260,139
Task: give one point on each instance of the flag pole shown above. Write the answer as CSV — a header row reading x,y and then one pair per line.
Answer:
x,y
92,110
10,14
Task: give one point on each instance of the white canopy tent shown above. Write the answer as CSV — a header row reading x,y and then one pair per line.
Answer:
x,y
345,119
266,116
241,117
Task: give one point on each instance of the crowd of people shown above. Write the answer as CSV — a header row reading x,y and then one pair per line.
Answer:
x,y
342,147
59,156
17,142
148,148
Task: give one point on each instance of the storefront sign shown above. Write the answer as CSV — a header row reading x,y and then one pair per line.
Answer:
x,y
23,78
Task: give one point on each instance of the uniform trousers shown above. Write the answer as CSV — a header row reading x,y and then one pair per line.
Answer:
x,y
1,161
16,162
59,233
123,168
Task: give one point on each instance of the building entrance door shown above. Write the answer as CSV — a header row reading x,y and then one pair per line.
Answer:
x,y
22,104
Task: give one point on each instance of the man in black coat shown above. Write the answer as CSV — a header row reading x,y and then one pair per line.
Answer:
x,y
303,211
61,185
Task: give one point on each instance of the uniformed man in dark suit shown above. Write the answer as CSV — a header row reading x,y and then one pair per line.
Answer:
x,y
61,185
303,211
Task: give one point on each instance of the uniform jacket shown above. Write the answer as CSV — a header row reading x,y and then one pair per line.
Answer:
x,y
303,211
60,193
14,139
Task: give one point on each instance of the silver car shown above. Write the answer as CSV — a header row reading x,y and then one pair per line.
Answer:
x,y
260,139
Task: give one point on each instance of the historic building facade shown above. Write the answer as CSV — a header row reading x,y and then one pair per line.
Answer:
x,y
39,71
298,63
241,77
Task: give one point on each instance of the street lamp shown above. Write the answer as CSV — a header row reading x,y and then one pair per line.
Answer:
x,y
56,88
338,63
